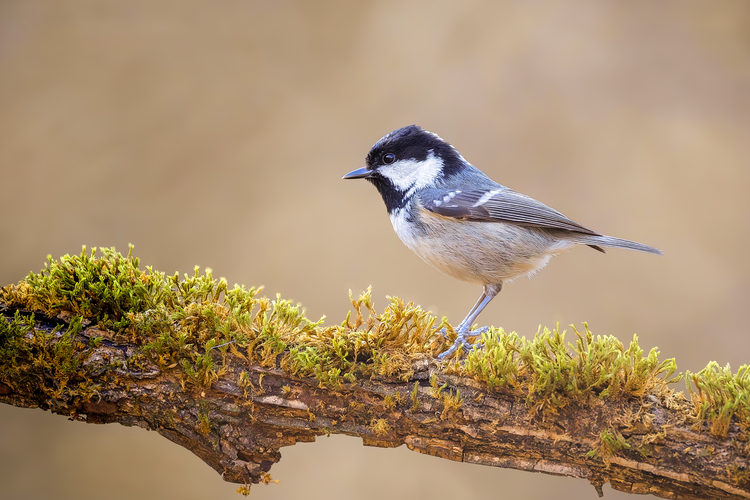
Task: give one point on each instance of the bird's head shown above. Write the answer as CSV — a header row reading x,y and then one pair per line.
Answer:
x,y
406,160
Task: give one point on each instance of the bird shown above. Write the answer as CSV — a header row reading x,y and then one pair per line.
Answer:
x,y
464,224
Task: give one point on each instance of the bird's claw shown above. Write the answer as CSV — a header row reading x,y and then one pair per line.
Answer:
x,y
463,334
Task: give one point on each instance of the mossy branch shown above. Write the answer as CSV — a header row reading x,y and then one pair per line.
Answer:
x,y
234,376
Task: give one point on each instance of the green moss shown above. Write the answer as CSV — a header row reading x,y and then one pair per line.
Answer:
x,y
380,427
384,344
611,442
12,344
192,323
57,358
739,475
389,402
204,422
415,397
451,400
105,289
551,371
718,395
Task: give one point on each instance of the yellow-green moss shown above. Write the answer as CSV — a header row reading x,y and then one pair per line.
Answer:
x,y
415,397
192,323
106,289
12,343
739,475
551,371
611,442
718,395
451,400
57,356
380,427
204,422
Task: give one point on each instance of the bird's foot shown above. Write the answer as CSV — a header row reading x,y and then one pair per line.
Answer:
x,y
463,335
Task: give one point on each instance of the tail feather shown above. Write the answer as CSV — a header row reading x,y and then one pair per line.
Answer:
x,y
596,242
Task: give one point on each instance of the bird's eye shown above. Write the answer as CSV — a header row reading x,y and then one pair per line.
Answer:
x,y
389,158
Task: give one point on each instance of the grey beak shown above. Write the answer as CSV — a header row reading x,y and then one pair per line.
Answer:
x,y
360,173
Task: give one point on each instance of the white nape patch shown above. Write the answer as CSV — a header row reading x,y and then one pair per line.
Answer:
x,y
486,197
409,175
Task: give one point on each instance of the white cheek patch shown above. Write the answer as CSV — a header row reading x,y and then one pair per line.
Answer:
x,y
410,175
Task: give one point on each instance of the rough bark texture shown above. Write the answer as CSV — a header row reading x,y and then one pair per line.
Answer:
x,y
238,424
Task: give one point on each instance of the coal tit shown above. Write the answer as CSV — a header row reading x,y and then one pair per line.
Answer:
x,y
463,223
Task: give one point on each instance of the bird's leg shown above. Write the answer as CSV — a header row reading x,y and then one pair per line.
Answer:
x,y
488,293
467,326
464,328
461,326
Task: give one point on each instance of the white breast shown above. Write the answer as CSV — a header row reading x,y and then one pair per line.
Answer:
x,y
477,252
404,230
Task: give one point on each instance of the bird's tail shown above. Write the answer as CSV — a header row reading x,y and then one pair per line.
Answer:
x,y
597,242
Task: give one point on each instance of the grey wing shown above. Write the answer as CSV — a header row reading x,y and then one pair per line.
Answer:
x,y
497,205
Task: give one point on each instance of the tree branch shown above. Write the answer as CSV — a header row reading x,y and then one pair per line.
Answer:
x,y
236,405
239,423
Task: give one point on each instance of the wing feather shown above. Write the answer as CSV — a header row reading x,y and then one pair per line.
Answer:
x,y
498,205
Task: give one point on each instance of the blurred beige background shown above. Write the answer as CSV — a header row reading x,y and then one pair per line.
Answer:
x,y
216,134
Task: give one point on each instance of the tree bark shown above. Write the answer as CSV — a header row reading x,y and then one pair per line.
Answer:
x,y
238,423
